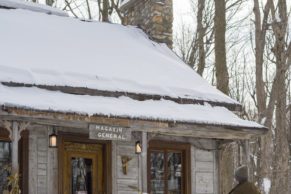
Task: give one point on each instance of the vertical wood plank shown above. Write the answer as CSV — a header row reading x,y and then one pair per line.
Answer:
x,y
23,161
52,166
144,162
32,186
139,173
114,167
15,138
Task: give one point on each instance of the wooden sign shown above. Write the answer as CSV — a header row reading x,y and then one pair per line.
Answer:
x,y
106,132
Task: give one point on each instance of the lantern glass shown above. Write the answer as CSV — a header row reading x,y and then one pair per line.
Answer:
x,y
53,143
138,148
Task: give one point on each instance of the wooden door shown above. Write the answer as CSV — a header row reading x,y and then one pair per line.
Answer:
x,y
83,168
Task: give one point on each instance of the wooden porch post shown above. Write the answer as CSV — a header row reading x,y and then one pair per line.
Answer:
x,y
14,140
15,128
144,162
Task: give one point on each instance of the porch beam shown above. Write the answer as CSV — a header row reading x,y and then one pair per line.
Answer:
x,y
159,127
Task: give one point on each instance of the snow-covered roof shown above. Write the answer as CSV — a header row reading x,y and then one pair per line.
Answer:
x,y
21,4
123,107
49,50
37,48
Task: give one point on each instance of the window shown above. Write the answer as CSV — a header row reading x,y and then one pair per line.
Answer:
x,y
168,170
5,159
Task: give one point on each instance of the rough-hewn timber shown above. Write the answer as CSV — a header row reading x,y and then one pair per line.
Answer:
x,y
159,127
116,94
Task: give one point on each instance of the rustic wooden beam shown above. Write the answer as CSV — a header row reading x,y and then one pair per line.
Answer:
x,y
201,131
46,121
116,94
159,127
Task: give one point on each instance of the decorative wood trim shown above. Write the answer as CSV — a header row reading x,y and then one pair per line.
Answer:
x,y
185,148
4,134
135,96
84,138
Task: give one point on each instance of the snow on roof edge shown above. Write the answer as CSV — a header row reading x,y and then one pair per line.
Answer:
x,y
18,4
123,107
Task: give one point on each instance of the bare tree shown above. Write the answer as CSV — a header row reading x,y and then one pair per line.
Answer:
x,y
86,9
282,53
273,151
265,151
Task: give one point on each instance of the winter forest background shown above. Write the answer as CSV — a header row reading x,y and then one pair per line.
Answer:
x,y
243,47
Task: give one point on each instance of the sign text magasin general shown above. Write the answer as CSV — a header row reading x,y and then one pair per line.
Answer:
x,y
106,132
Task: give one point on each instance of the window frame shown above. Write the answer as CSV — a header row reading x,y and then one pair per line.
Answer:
x,y
176,147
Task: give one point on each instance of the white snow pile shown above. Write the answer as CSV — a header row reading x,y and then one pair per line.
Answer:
x,y
41,99
266,185
38,48
21,4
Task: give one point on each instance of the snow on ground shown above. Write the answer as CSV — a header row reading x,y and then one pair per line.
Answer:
x,y
41,99
38,48
21,4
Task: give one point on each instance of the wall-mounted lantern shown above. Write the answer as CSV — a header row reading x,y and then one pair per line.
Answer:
x,y
138,147
53,139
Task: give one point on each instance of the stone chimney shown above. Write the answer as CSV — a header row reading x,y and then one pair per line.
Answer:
x,y
155,17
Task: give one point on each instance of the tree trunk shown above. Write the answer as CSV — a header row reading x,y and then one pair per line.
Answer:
x,y
222,78
226,154
226,168
49,2
281,153
264,113
105,10
201,34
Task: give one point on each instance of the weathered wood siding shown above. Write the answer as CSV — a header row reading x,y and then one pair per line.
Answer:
x,y
204,172
43,164
125,184
43,178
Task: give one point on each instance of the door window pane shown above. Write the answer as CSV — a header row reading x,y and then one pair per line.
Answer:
x,y
166,172
81,175
157,173
5,159
174,173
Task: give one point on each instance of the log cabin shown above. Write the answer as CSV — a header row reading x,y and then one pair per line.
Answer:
x,y
99,108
